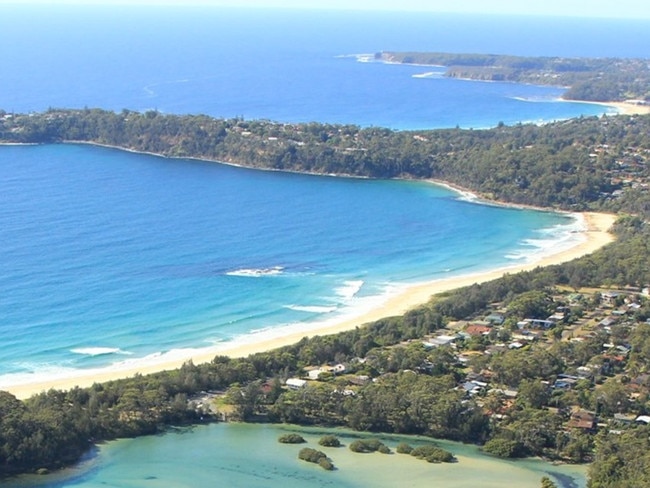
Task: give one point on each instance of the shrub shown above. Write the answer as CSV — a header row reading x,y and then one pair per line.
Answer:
x,y
503,448
318,457
433,454
369,445
291,439
330,441
326,464
403,448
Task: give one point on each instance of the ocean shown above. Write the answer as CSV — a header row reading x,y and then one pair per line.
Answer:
x,y
109,257
285,65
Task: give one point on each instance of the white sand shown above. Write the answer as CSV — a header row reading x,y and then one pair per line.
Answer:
x,y
624,108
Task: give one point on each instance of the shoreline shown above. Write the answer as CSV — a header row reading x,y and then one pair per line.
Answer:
x,y
622,108
593,236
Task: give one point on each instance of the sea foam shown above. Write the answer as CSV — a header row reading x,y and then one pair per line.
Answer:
x,y
551,240
349,289
98,351
311,308
256,272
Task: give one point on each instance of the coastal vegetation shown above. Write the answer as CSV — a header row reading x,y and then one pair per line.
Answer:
x,y
314,456
369,445
588,79
432,454
291,439
591,163
551,362
329,441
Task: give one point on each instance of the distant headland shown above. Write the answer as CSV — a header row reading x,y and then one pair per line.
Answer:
x,y
587,79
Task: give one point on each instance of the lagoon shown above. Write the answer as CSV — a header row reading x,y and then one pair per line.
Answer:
x,y
248,455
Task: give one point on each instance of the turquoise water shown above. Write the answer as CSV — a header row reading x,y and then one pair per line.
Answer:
x,y
236,455
109,256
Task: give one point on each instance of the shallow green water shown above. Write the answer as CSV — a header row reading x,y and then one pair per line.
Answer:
x,y
243,455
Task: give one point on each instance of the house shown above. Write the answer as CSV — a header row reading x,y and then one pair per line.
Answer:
x,y
359,380
623,418
477,329
495,318
584,372
542,323
565,382
506,393
582,419
338,368
441,340
607,322
474,387
314,374
295,383
609,297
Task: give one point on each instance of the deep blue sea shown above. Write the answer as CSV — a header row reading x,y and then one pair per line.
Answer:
x,y
108,256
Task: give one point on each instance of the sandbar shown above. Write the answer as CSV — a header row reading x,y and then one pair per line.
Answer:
x,y
595,234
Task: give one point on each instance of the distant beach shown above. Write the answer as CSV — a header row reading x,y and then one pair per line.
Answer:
x,y
594,236
623,108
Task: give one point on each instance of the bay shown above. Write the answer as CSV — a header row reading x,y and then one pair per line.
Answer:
x,y
110,257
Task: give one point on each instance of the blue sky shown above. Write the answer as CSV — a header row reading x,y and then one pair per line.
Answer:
x,y
582,8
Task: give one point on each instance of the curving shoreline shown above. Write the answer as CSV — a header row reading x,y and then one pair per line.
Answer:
x,y
622,108
594,236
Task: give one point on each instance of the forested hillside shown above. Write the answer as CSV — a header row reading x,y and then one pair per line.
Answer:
x,y
589,79
594,163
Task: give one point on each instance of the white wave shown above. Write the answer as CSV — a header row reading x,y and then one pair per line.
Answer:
x,y
311,308
98,351
535,99
261,330
516,256
256,272
467,196
551,240
349,289
428,74
38,374
365,58
35,372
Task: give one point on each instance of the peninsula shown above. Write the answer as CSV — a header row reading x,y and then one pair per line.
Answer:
x,y
587,79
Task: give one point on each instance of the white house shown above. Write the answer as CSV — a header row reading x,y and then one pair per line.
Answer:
x,y
295,383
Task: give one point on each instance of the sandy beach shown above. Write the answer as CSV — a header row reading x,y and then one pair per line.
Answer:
x,y
628,108
594,236
623,108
